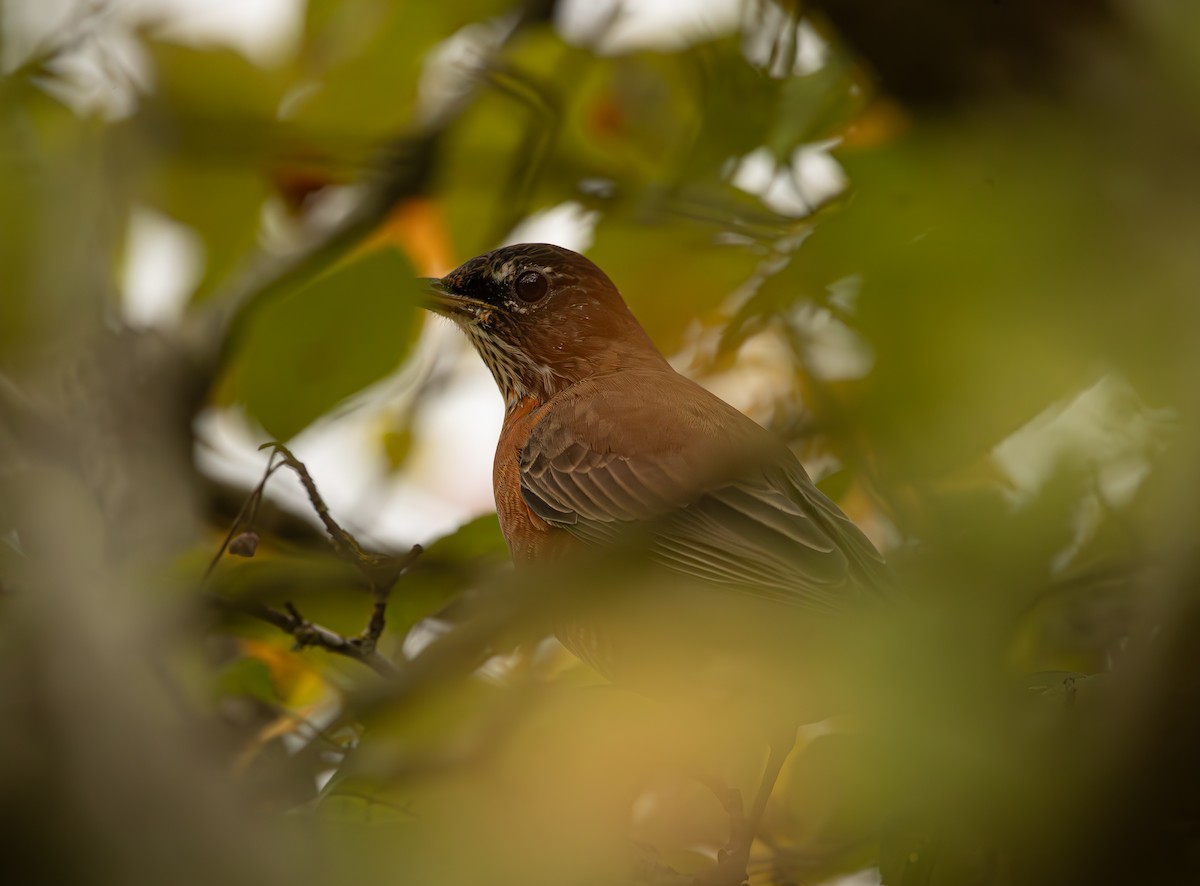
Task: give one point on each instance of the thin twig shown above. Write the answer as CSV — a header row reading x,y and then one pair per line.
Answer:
x,y
250,504
380,570
307,633
377,569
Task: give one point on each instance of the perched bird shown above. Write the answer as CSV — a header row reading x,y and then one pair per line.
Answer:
x,y
603,442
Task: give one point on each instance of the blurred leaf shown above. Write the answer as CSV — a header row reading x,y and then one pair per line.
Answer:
x,y
478,162
738,104
441,572
836,484
220,201
417,227
833,794
397,444
504,143
295,680
323,587
631,118
817,106
365,60
213,136
19,220
51,177
647,115
248,676
304,354
671,270
475,540
194,84
983,300
915,856
743,108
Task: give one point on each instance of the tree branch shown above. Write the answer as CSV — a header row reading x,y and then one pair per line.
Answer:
x,y
381,572
307,633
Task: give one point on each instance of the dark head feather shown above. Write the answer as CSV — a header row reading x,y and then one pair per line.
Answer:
x,y
577,326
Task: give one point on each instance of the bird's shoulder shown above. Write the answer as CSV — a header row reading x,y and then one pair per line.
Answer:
x,y
645,414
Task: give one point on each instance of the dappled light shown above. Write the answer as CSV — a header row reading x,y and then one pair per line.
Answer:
x,y
259,621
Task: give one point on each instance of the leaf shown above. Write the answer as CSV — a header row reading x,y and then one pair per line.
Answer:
x,y
211,130
19,221
366,60
54,207
670,271
927,854
836,484
474,540
834,801
304,354
212,82
249,676
737,104
444,569
816,106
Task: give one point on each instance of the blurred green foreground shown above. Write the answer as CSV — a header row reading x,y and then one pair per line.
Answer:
x,y
985,346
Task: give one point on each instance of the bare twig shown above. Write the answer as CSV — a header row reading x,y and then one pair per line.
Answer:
x,y
380,571
243,519
307,633
377,569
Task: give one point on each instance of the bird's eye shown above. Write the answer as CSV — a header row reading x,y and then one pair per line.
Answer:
x,y
531,286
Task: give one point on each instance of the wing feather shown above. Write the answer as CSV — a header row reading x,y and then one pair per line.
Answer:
x,y
715,496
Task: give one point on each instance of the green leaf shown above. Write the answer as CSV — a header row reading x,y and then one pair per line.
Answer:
x,y
445,569
211,133
249,676
816,105
212,82
837,484
55,201
479,538
670,269
304,354
366,60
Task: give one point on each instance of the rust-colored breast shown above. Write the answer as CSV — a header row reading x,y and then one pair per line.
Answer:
x,y
529,537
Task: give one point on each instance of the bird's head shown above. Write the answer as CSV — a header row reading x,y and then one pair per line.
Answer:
x,y
542,318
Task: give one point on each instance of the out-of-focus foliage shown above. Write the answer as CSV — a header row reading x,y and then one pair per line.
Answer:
x,y
985,346
334,336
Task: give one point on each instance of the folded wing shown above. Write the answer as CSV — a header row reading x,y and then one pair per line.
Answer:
x,y
712,494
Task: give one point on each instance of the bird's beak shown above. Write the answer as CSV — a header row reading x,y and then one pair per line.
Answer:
x,y
436,297
433,288
441,300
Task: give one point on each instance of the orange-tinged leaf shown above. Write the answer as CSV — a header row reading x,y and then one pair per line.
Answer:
x,y
418,228
881,123
295,680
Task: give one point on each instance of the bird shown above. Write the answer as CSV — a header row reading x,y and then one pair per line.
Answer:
x,y
605,444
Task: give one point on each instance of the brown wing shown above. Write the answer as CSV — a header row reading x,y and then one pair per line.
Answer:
x,y
718,498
